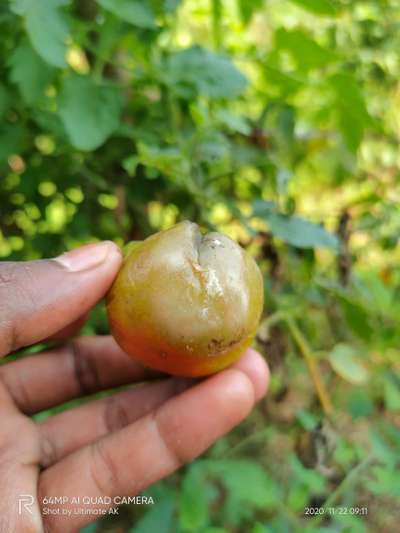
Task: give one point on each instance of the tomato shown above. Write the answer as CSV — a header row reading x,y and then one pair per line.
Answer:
x,y
185,303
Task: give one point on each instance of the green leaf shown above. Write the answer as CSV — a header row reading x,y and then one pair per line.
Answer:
x,y
352,113
318,7
385,481
359,403
263,208
345,523
375,293
12,140
51,123
357,318
309,478
167,160
383,447
286,122
298,496
130,164
259,528
247,8
391,391
193,500
247,482
159,518
90,112
306,53
300,232
19,6
232,122
138,13
307,419
196,70
46,27
169,6
285,83
5,100
29,72
347,364
294,230
213,149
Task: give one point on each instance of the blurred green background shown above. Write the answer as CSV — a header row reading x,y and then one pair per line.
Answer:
x,y
276,122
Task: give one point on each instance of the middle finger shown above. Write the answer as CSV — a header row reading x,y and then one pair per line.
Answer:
x,y
95,419
83,366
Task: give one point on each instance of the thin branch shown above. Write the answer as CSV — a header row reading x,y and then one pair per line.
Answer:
x,y
312,365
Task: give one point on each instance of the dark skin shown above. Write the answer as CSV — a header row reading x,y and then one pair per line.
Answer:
x,y
113,446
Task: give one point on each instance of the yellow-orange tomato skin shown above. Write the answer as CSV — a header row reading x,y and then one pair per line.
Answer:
x,y
184,303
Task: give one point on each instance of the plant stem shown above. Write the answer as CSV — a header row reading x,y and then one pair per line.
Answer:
x,y
278,316
216,13
307,354
251,439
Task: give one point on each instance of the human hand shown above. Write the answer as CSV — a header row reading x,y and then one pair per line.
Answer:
x,y
113,446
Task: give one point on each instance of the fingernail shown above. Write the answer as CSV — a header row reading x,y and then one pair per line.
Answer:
x,y
87,257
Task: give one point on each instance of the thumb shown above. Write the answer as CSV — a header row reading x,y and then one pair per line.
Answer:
x,y
39,298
